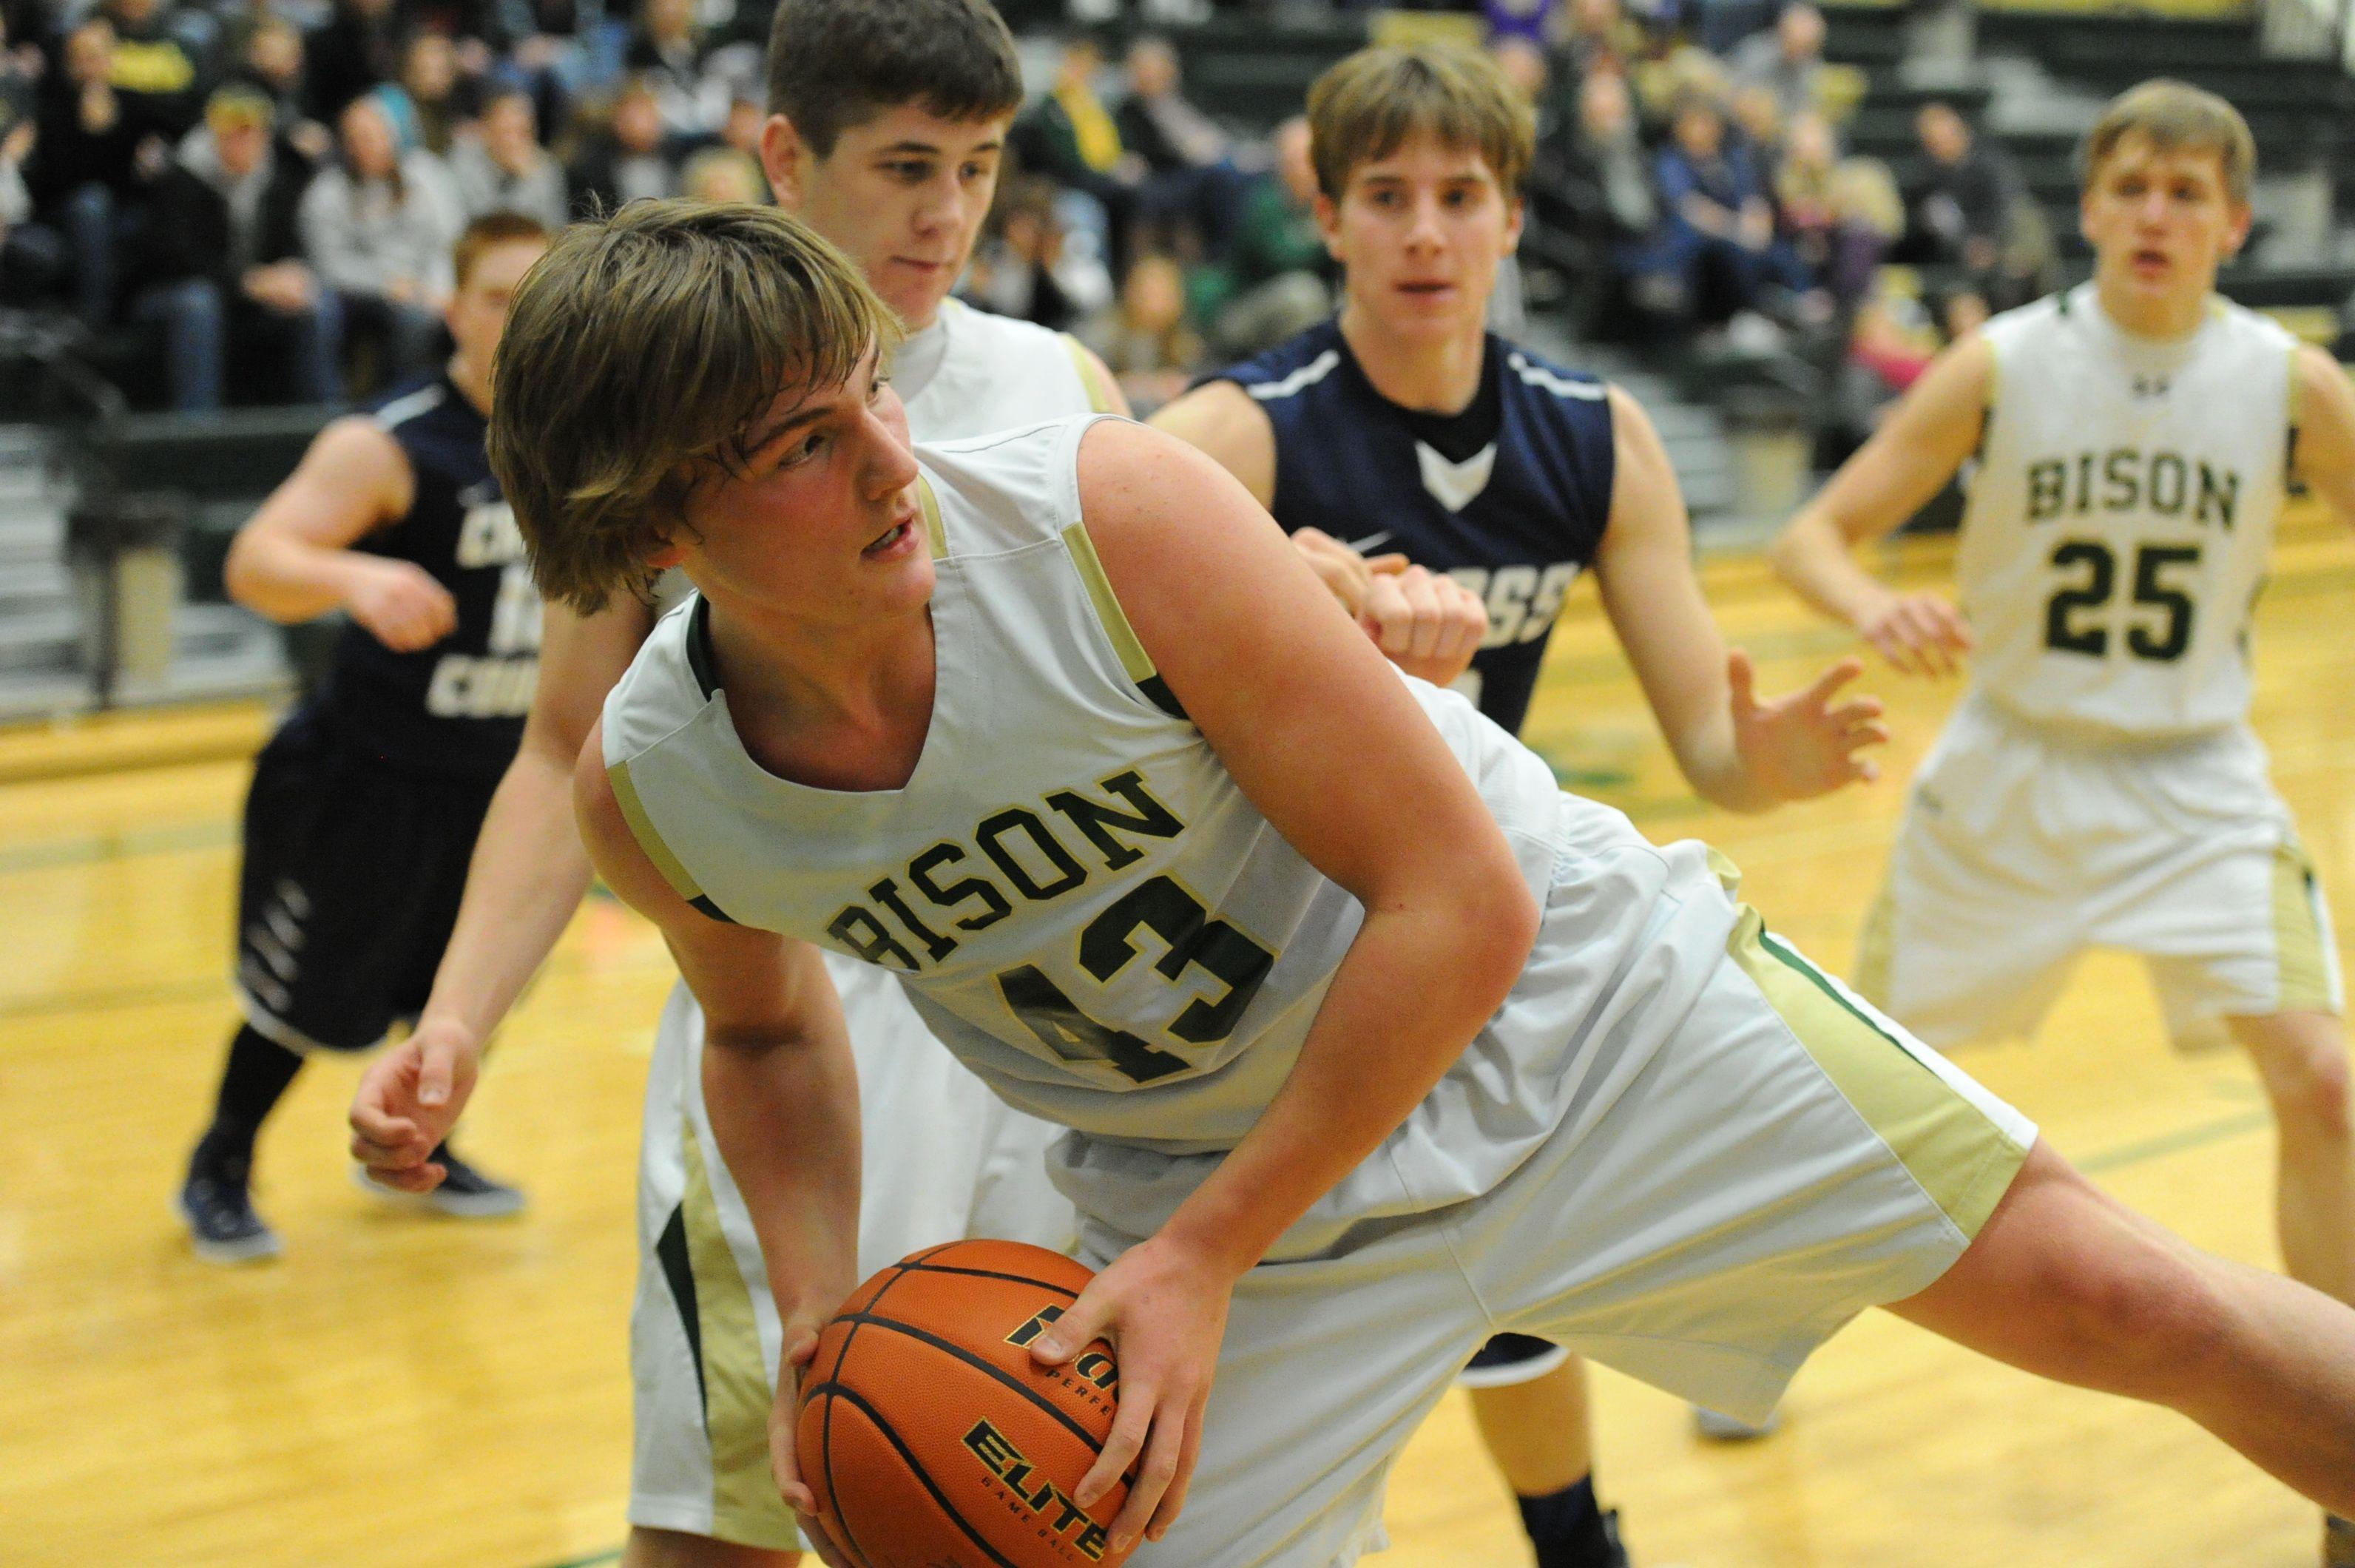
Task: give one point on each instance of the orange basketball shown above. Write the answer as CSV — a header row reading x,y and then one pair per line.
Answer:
x,y
931,1437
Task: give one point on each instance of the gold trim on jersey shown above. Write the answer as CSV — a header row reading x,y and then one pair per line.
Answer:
x,y
642,829
1964,1161
936,532
2301,953
1132,656
1091,377
745,1506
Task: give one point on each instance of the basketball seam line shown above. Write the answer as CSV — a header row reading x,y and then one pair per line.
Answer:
x,y
826,1430
916,1468
984,1273
999,1373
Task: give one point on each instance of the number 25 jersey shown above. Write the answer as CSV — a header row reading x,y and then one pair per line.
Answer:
x,y
2122,515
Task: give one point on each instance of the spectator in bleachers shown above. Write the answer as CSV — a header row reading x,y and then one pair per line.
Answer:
x,y
1971,210
1143,338
377,228
273,63
1013,271
95,159
1191,185
227,280
1591,186
741,129
429,77
353,50
1787,61
503,167
162,51
1668,71
723,173
32,256
667,54
1601,37
1838,216
1532,22
21,65
1720,222
626,162
1070,137
1276,279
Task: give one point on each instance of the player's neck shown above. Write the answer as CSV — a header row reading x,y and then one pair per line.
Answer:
x,y
1430,374
2162,319
473,384
844,707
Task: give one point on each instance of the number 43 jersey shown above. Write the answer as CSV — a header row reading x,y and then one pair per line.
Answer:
x,y
2122,515
1080,901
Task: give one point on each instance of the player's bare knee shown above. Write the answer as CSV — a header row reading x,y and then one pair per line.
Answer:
x,y
2308,1080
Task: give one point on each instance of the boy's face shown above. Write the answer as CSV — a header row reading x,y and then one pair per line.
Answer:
x,y
815,517
1420,233
477,312
2160,221
903,194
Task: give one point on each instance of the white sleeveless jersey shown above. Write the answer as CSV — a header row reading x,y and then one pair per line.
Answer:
x,y
2121,516
1081,903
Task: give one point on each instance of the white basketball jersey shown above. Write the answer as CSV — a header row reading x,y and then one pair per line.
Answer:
x,y
1082,904
2123,514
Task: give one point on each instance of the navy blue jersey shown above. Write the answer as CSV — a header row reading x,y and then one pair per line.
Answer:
x,y
1513,511
456,707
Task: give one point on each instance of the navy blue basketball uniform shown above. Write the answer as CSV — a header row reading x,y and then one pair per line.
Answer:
x,y
365,805
1509,497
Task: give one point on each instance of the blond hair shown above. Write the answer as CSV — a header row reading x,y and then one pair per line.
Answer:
x,y
1365,106
642,342
2176,117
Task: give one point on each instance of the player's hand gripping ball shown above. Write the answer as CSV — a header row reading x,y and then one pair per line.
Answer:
x,y
931,1437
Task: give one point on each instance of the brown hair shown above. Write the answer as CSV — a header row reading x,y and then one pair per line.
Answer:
x,y
2176,118
489,230
643,341
1365,106
834,64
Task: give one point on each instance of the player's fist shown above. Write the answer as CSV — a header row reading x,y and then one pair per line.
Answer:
x,y
408,1102
1920,633
1426,624
401,603
1343,570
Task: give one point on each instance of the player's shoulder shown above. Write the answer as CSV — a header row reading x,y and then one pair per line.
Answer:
x,y
1006,490
1274,375
407,404
667,684
1534,370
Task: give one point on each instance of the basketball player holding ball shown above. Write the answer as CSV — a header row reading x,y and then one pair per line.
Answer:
x,y
1370,1040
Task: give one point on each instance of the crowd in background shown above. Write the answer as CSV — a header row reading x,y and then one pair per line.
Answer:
x,y
261,194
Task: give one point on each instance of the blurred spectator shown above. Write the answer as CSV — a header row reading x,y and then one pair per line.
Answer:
x,y
1014,263
94,161
1840,217
225,276
741,129
32,256
1601,38
1721,226
1143,338
1532,22
1970,210
1594,215
503,167
21,65
1191,182
377,228
723,173
1758,119
626,162
1787,61
1070,136
429,76
1668,71
161,51
273,64
357,48
666,54
1276,279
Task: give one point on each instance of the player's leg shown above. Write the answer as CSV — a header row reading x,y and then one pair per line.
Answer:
x,y
2066,1283
1538,1430
2301,1059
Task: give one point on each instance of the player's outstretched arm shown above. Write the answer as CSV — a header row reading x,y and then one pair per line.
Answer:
x,y
2325,455
528,874
780,1087
294,559
1426,624
1333,748
1918,447
1738,751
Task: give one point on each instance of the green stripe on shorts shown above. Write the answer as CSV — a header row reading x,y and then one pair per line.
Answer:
x,y
746,1508
1962,1161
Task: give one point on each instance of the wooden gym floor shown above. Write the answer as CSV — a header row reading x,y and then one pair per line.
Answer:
x,y
414,1393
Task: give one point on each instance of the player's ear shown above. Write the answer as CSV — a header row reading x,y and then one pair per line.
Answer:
x,y
664,555
2236,232
782,152
1328,224
1517,212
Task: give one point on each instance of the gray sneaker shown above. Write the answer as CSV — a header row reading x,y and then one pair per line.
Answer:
x,y
465,1193
216,1204
1719,1428
2337,1541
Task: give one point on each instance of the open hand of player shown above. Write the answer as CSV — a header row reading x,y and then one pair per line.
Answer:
x,y
1164,1310
1426,624
1920,633
1802,745
401,603
408,1102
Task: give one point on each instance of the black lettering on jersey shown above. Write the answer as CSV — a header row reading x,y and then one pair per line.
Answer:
x,y
994,906
2168,480
868,938
2048,484
2124,480
2084,483
2162,484
886,893
993,833
2221,490
1096,819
